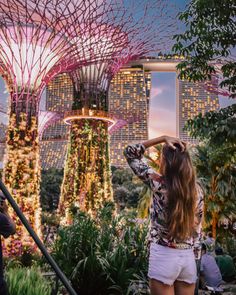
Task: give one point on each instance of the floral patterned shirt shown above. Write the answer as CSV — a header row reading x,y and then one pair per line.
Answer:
x,y
158,232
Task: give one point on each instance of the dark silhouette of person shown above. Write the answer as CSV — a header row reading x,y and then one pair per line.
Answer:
x,y
7,228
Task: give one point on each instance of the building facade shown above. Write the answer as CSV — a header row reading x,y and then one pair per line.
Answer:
x,y
192,99
129,98
53,146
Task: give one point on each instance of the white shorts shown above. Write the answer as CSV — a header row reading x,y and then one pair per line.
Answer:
x,y
168,265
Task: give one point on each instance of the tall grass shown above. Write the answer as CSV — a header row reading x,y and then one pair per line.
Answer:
x,y
102,256
27,281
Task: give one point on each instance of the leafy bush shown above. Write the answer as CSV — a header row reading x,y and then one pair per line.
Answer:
x,y
102,256
126,188
228,242
50,189
27,281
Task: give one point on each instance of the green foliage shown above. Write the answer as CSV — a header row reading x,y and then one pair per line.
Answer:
x,y
28,258
50,219
230,245
144,202
227,241
218,176
50,189
87,171
120,176
215,161
216,127
145,195
139,285
126,188
102,256
209,38
121,196
23,281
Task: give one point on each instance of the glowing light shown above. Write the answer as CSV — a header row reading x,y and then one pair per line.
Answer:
x,y
34,47
123,32
92,114
31,52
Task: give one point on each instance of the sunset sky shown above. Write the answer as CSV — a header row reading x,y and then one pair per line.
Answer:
x,y
162,118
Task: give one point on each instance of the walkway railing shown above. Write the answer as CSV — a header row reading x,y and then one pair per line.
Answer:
x,y
38,242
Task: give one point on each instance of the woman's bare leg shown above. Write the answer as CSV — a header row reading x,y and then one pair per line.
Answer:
x,y
182,288
158,288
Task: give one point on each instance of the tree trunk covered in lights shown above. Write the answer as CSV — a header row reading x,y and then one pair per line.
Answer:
x,y
22,171
87,176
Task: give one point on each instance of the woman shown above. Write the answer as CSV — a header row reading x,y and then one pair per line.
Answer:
x,y
176,213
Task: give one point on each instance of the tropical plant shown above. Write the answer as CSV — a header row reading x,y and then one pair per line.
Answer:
x,y
120,195
120,176
153,161
144,202
227,241
206,46
51,180
207,42
139,286
216,162
126,188
102,255
27,281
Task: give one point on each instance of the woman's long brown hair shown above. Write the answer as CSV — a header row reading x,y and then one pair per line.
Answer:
x,y
180,180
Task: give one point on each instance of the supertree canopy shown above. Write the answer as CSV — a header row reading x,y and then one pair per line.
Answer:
x,y
34,47
46,118
125,32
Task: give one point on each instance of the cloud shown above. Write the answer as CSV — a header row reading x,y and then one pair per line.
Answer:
x,y
157,91
162,121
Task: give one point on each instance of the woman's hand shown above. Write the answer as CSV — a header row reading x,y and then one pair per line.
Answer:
x,y
170,141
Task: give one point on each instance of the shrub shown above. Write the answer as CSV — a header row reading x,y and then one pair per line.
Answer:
x,y
27,281
102,256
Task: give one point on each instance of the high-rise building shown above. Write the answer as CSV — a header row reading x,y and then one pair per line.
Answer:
x,y
129,97
53,146
192,99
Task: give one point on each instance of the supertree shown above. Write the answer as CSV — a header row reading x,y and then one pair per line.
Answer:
x,y
127,31
33,49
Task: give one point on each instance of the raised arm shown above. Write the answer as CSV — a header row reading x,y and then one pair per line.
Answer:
x,y
134,156
164,139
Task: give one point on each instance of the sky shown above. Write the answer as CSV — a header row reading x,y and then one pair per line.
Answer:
x,y
162,119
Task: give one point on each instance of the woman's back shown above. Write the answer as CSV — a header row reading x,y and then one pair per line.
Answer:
x,y
159,230
160,210
175,215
